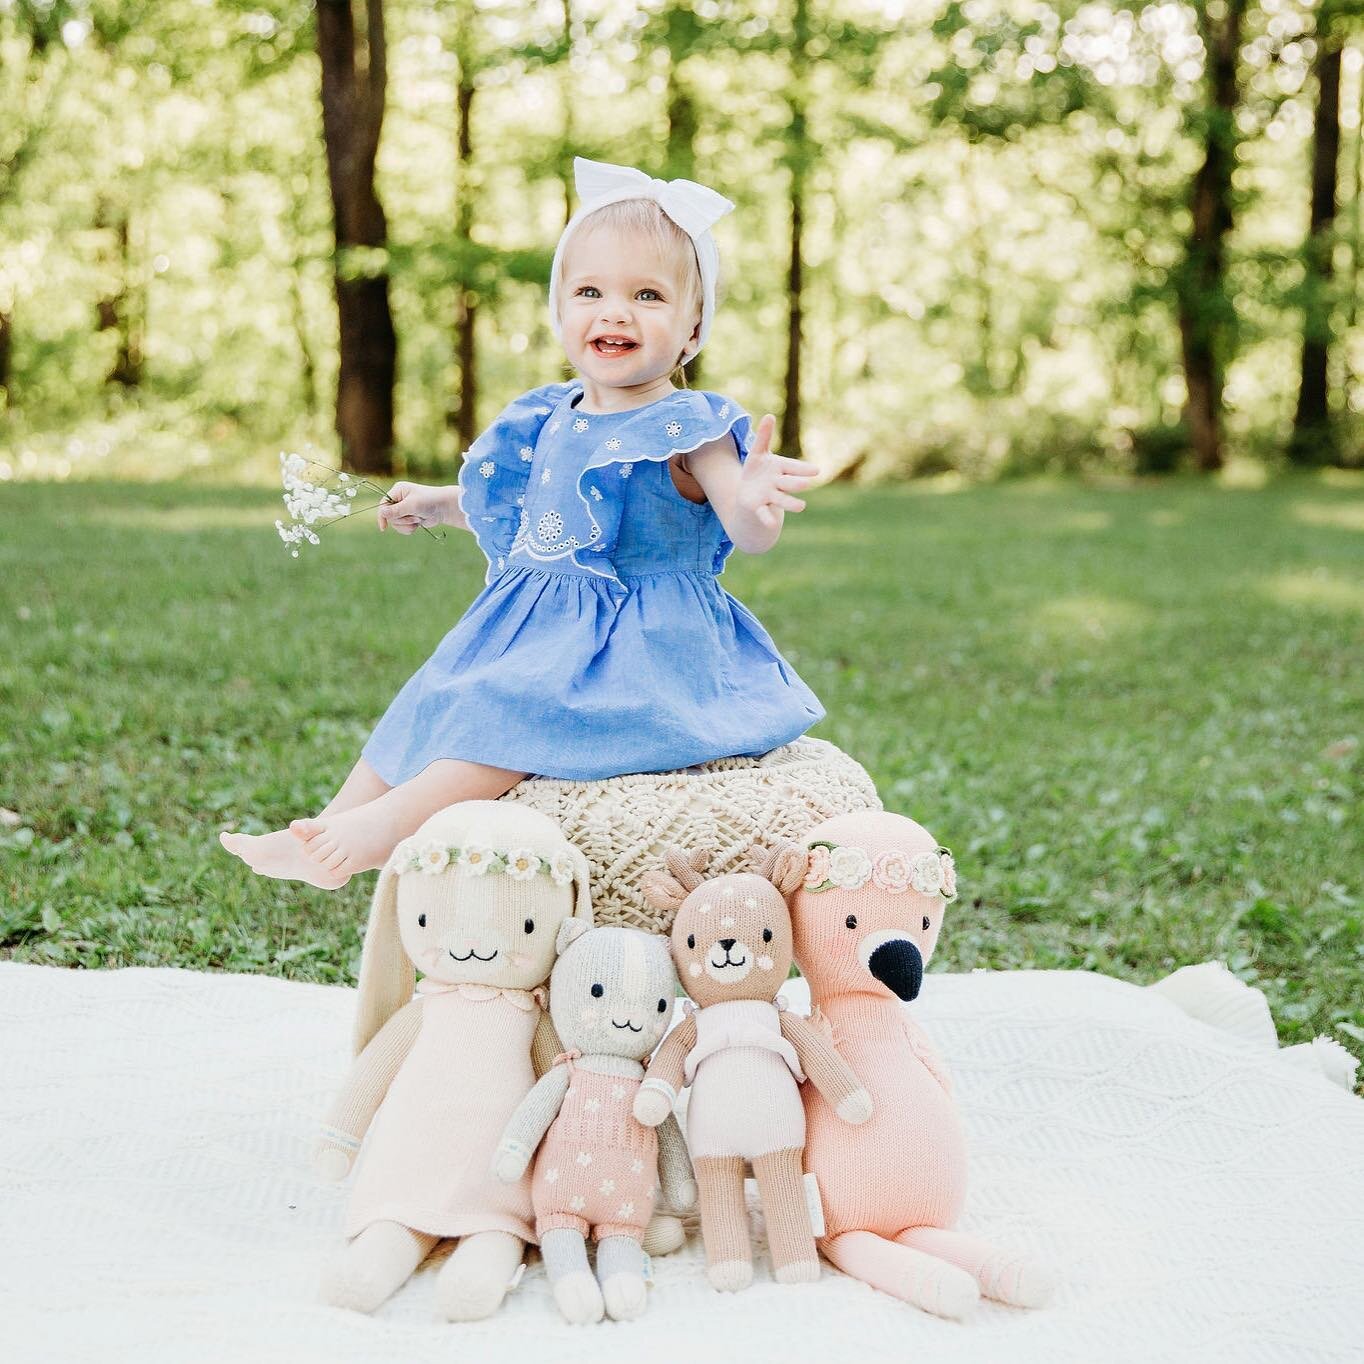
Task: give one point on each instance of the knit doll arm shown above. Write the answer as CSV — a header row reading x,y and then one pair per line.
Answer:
x,y
544,1046
370,1076
664,1078
528,1125
932,1062
674,1167
826,1069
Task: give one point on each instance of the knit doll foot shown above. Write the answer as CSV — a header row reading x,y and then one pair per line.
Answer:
x,y
625,1296
282,856
798,1271
347,843
1018,1283
729,1276
579,1298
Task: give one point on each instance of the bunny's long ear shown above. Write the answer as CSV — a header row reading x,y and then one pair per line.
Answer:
x,y
785,867
582,889
387,976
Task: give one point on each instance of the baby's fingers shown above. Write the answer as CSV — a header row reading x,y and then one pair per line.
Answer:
x,y
801,468
786,502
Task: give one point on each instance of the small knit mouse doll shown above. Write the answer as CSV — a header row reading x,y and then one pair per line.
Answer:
x,y
866,915
475,899
743,1056
597,1168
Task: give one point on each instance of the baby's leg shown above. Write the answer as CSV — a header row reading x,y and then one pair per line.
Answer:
x,y
620,1271
281,855
361,838
575,1290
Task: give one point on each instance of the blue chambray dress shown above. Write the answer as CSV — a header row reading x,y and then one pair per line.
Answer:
x,y
603,642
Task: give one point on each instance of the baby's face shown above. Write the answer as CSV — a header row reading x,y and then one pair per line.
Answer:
x,y
626,315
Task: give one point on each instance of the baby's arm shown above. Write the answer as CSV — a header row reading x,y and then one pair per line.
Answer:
x,y
415,506
827,1070
364,1090
663,1080
752,498
528,1125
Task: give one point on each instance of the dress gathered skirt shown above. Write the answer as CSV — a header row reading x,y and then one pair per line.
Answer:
x,y
602,642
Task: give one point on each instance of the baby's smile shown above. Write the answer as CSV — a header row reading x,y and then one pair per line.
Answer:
x,y
613,345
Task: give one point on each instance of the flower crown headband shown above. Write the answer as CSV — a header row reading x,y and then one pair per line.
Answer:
x,y
521,864
832,866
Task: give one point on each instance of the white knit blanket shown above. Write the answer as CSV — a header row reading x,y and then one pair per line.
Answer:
x,y
1200,1197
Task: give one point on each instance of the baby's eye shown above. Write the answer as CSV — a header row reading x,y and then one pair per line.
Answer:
x,y
597,992
691,939
663,1006
650,296
767,935
851,921
587,291
421,920
927,921
529,925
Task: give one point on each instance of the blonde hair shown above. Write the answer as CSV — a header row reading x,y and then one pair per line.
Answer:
x,y
644,217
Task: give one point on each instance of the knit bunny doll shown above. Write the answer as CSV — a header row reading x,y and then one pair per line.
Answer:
x,y
475,899
743,1056
597,1168
866,916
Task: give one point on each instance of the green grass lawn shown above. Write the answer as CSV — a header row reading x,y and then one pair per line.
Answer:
x,y
1133,713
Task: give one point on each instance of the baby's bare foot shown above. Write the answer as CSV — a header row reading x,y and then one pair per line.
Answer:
x,y
353,841
282,856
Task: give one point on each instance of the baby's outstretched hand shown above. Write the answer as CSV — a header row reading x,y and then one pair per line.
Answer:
x,y
768,482
416,506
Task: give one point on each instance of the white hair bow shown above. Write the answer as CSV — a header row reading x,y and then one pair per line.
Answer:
x,y
694,208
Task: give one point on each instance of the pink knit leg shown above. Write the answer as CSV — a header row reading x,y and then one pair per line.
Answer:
x,y
915,1277
1002,1275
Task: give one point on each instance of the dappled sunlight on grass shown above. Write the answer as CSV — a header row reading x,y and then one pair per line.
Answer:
x,y
1097,617
1167,516
1337,515
1315,587
200,517
1243,474
1086,521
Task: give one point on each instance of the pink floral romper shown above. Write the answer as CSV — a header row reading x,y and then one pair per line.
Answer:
x,y
597,1167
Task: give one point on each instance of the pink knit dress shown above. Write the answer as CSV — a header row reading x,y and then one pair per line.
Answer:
x,y
427,1159
597,1167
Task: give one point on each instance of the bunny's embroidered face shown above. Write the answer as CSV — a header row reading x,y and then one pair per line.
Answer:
x,y
612,991
869,909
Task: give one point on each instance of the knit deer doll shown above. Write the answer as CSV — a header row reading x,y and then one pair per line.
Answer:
x,y
475,899
744,1057
597,1168
866,915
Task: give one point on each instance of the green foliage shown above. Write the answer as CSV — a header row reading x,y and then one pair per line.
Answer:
x,y
1130,712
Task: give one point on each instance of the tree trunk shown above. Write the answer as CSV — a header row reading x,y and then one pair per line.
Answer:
x,y
1200,283
796,153
466,299
566,95
6,360
1312,441
116,311
353,79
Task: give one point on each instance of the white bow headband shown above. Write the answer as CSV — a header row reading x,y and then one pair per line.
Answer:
x,y
694,208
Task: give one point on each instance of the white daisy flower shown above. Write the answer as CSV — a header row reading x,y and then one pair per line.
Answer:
x,y
584,1158
625,1210
487,468
607,1186
580,424
544,475
926,875
551,1176
849,868
477,858
577,1202
674,428
434,857
724,409
613,444
526,453
591,1105
522,864
626,470
617,1091
594,490
636,1167
562,867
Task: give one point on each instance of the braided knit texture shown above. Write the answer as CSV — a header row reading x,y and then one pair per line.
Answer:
x,y
741,807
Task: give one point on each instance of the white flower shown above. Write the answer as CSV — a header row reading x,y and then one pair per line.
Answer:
x,y
584,1158
674,428
521,499
595,491
626,1209
891,871
554,426
626,470
433,857
551,1176
550,526
724,409
591,1105
618,1092
926,874
522,864
544,475
636,1167
949,875
607,1186
477,858
526,453
576,1202
562,867
849,868
580,424
403,857
487,468
613,444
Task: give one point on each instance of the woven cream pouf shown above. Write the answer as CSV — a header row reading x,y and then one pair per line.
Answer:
x,y
739,807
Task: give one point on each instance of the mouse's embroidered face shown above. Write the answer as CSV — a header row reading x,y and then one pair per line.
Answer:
x,y
732,940
612,991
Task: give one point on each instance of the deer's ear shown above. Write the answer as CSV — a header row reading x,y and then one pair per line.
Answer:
x,y
785,867
664,892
